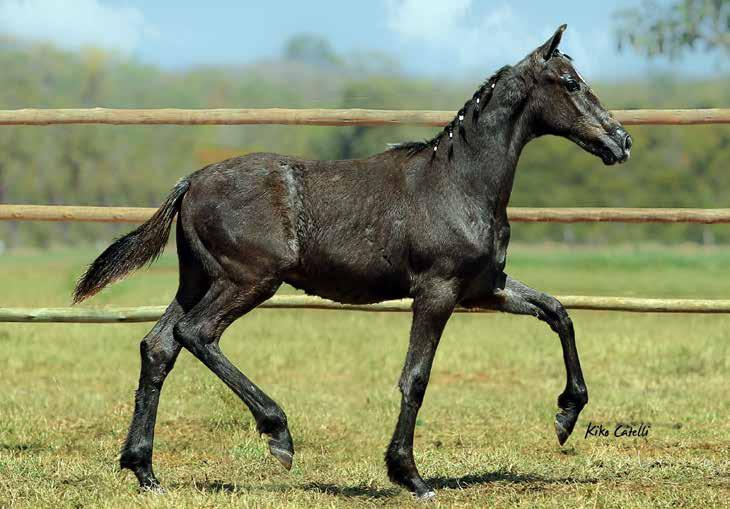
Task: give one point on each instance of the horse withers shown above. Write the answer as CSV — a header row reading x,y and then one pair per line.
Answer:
x,y
425,220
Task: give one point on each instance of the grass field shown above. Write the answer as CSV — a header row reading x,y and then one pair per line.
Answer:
x,y
484,436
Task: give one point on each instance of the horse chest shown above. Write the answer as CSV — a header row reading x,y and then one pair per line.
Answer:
x,y
483,243
481,263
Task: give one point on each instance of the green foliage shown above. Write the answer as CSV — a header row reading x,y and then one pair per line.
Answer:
x,y
311,49
137,165
655,29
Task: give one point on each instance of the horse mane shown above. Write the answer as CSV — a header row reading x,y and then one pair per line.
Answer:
x,y
475,104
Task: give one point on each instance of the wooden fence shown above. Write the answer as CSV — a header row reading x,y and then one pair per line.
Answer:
x,y
516,214
321,117
343,118
153,313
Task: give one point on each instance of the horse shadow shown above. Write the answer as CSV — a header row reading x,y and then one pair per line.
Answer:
x,y
373,492
356,491
470,480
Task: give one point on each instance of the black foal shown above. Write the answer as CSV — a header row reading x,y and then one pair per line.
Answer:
x,y
423,220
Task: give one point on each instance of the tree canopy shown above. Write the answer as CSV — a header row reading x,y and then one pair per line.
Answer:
x,y
660,29
137,165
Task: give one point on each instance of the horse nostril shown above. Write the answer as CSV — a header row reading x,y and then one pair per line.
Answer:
x,y
628,143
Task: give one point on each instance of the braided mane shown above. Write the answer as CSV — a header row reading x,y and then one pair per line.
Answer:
x,y
475,104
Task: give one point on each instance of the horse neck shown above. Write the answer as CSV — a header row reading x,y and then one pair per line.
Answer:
x,y
484,164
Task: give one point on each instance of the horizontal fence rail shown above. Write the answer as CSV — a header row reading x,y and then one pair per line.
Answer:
x,y
75,213
321,117
516,214
346,117
153,313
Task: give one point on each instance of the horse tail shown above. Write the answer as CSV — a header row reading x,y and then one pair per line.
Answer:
x,y
134,249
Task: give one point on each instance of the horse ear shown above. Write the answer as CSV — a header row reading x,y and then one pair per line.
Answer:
x,y
547,49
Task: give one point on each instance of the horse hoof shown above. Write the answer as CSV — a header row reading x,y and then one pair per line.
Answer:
x,y
426,496
153,488
281,447
285,457
564,423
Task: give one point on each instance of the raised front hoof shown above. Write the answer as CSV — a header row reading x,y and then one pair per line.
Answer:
x,y
285,457
281,447
564,423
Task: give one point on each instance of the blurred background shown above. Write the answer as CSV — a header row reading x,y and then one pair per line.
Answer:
x,y
392,54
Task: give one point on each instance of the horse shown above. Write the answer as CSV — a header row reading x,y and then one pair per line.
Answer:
x,y
425,220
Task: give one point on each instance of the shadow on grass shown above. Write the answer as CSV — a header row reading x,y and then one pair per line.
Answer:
x,y
222,487
365,491
30,447
352,491
466,481
329,489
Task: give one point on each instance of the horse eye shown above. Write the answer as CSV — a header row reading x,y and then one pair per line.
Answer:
x,y
571,85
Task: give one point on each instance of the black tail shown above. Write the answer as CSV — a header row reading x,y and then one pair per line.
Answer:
x,y
133,250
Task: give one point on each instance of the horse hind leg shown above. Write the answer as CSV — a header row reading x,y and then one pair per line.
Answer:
x,y
158,351
200,331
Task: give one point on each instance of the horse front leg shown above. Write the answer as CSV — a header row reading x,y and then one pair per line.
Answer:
x,y
519,298
431,311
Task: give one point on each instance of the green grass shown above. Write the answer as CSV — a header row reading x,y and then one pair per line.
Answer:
x,y
484,435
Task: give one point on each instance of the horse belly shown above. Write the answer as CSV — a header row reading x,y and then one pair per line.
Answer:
x,y
352,280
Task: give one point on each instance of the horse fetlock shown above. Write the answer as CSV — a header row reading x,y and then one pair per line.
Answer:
x,y
402,471
573,398
135,457
400,464
272,421
141,467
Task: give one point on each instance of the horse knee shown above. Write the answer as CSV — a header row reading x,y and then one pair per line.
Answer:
x,y
557,316
413,388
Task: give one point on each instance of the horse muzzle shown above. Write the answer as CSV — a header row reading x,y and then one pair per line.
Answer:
x,y
618,147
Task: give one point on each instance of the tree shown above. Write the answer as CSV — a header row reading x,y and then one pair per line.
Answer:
x,y
669,30
311,49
